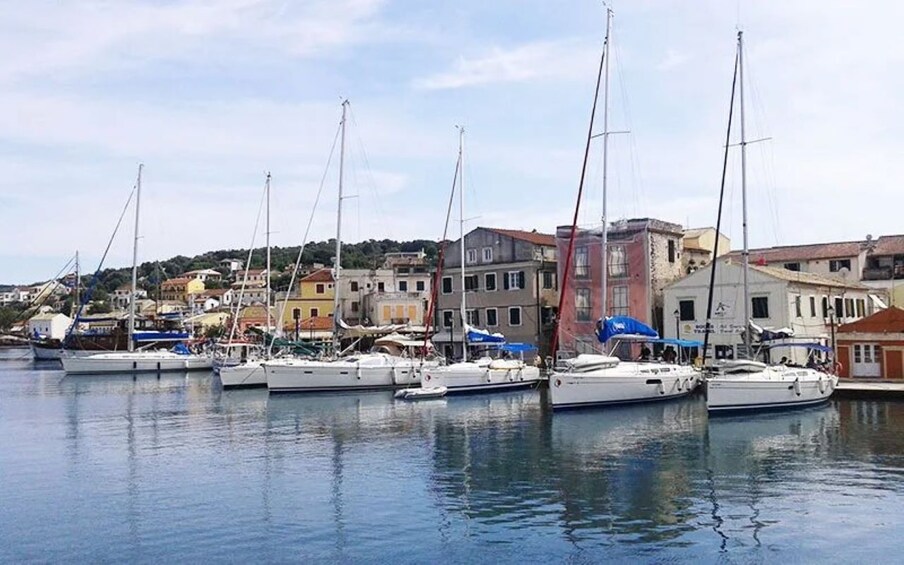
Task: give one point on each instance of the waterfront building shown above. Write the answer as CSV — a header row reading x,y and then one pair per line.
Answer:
x,y
644,255
52,325
314,299
510,285
808,304
885,267
873,347
180,289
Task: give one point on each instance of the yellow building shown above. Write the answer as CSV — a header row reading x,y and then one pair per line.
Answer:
x,y
315,298
180,289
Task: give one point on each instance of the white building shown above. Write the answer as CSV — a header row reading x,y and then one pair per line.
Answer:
x,y
779,298
203,275
232,264
121,296
49,324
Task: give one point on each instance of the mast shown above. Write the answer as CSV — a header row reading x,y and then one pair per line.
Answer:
x,y
604,267
75,302
338,265
135,261
746,252
267,290
461,227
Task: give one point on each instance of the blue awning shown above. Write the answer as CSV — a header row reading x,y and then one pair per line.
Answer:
x,y
476,336
618,325
518,347
160,336
678,342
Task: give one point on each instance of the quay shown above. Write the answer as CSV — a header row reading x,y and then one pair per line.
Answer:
x,y
859,388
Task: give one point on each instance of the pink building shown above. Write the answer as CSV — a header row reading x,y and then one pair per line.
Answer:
x,y
644,256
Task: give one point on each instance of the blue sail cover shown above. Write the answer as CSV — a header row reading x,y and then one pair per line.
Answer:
x,y
483,336
622,325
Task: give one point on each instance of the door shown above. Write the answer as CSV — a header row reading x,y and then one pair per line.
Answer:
x,y
866,361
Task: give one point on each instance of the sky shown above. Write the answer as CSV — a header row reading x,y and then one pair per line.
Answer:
x,y
211,95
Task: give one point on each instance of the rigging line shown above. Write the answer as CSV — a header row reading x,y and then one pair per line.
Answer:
x,y
639,194
90,290
43,296
304,241
437,280
238,304
373,186
712,274
574,223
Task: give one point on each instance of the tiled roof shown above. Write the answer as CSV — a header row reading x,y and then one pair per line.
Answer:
x,y
889,245
176,281
534,237
217,291
316,323
790,253
323,275
806,278
890,320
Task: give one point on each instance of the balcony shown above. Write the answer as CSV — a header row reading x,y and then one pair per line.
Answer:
x,y
883,273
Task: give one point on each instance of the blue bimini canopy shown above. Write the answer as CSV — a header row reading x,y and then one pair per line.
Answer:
x,y
677,342
476,336
618,325
160,336
518,347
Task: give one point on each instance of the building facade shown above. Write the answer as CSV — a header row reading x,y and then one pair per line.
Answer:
x,y
644,255
872,347
314,299
805,303
510,287
52,325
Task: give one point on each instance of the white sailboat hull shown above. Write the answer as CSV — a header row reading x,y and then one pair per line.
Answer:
x,y
771,388
473,377
243,375
368,372
625,382
135,362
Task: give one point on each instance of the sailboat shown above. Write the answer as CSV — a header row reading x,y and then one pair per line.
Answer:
x,y
747,384
360,371
249,372
131,361
486,373
590,379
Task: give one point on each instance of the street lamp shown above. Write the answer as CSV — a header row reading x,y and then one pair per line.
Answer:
x,y
831,312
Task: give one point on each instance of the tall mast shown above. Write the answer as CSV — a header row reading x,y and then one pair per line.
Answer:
x,y
267,291
746,252
604,267
338,265
77,300
461,227
135,261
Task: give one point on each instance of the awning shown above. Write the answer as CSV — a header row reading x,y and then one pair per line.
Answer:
x,y
877,302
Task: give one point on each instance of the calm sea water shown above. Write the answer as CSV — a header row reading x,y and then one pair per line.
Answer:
x,y
175,469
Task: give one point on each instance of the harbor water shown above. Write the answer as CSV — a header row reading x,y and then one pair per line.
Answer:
x,y
175,469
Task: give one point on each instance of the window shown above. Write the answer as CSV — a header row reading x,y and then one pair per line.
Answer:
x,y
724,352
618,262
686,311
849,307
381,287
473,317
492,317
447,318
471,283
812,306
354,286
760,306
315,312
620,300
861,307
825,307
489,281
549,280
403,286
487,254
671,251
792,267
836,265
514,280
582,304
471,256
514,315
355,306
581,262
319,289
296,313
839,307
420,286
857,356
447,285
403,270
797,311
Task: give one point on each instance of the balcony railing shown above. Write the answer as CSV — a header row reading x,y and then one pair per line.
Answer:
x,y
883,273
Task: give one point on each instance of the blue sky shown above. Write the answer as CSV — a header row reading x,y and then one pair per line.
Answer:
x,y
210,95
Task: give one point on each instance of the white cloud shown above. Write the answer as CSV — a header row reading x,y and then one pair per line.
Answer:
x,y
545,60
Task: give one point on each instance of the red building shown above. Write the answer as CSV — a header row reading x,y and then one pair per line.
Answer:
x,y
873,347
644,255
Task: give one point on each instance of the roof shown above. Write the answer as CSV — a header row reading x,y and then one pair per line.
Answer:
x,y
534,237
253,272
889,245
806,278
697,232
322,275
216,292
316,323
810,252
202,271
177,280
890,320
46,317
